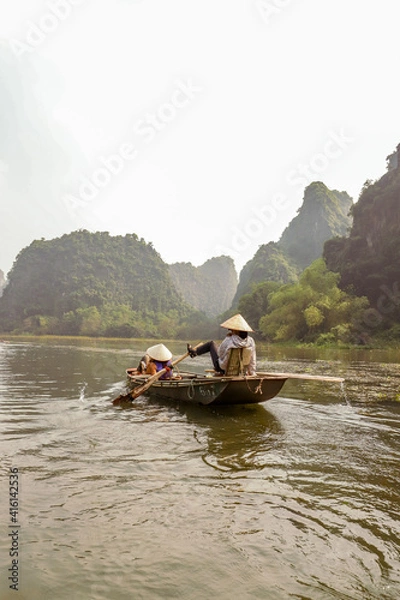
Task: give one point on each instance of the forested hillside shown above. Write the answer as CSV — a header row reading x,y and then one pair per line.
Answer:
x,y
93,284
324,214
268,264
210,288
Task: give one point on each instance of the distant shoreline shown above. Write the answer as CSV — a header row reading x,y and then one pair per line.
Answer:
x,y
4,338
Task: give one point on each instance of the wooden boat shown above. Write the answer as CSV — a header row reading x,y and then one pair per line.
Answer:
x,y
232,388
203,389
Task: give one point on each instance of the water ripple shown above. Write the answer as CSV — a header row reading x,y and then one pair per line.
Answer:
x,y
297,498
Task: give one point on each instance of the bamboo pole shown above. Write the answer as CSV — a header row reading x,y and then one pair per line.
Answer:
x,y
304,376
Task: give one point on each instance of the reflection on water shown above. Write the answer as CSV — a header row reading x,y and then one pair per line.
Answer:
x,y
236,438
295,498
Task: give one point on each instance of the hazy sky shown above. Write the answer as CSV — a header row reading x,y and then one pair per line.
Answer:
x,y
194,124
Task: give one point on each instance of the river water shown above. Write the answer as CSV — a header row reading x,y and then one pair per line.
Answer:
x,y
296,498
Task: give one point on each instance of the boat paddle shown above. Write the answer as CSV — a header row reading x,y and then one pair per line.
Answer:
x,y
301,376
143,388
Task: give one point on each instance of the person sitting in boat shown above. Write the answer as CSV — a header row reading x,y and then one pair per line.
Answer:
x,y
159,357
142,366
238,337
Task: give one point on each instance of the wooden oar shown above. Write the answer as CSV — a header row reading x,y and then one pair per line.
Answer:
x,y
142,388
301,376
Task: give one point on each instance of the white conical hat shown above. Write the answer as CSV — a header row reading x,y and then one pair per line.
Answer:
x,y
159,352
237,323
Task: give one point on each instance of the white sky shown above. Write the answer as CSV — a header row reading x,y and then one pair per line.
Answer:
x,y
276,86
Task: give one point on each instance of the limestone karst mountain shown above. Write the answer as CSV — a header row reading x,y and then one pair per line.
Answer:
x,y
323,215
210,288
368,260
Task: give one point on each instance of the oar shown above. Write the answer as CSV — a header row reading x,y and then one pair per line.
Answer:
x,y
301,376
142,388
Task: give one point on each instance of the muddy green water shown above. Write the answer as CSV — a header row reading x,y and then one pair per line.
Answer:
x,y
297,498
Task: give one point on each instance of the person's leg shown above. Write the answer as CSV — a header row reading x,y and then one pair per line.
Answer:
x,y
210,347
214,358
203,349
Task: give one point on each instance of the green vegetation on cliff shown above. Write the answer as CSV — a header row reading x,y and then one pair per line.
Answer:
x,y
323,215
268,264
93,284
256,304
352,297
369,259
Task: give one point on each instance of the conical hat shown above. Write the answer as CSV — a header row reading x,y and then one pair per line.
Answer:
x,y
159,352
236,323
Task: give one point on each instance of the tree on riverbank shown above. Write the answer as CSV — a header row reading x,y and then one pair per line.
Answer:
x,y
313,310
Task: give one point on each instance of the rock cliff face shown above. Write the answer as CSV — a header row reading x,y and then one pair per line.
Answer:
x,y
208,288
324,214
369,259
268,264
